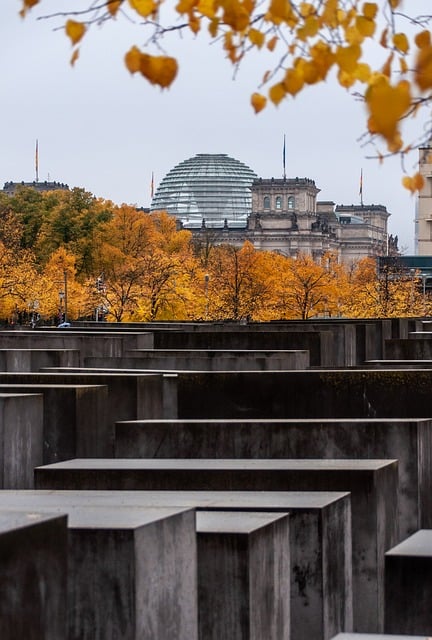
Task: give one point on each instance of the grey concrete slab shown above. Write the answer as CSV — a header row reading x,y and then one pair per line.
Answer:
x,y
131,394
20,360
243,575
407,440
21,439
375,636
33,552
132,573
320,540
74,418
408,585
373,485
333,393
203,360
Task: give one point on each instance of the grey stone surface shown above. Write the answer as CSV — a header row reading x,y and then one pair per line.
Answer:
x,y
408,585
408,441
131,394
203,360
33,552
320,540
21,439
20,360
375,636
75,418
373,485
243,564
132,573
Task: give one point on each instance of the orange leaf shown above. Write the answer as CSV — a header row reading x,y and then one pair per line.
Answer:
x,y
272,43
113,6
365,26
133,60
75,30
423,68
293,81
160,70
258,102
423,39
347,57
387,104
277,93
74,57
256,37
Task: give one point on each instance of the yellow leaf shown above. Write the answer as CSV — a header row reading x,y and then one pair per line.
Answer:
x,y
423,39
194,23
256,37
370,10
401,43
365,26
144,8
293,81
236,15
277,93
383,39
363,72
133,60
346,79
306,9
403,65
75,30
309,29
185,6
413,183
213,27
160,70
386,70
394,3
207,8
347,57
113,6
258,102
423,68
272,43
74,57
387,104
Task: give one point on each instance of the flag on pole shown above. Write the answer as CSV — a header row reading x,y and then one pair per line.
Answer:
x,y
361,187
37,161
283,159
152,186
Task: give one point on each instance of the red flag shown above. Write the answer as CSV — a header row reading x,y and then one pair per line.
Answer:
x,y
152,186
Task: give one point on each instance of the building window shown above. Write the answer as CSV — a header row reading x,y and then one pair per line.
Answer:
x,y
291,202
278,202
266,202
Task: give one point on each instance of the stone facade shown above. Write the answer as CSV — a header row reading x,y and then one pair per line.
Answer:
x,y
286,217
423,219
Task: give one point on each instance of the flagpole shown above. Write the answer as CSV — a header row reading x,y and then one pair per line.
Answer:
x,y
37,161
361,187
152,186
283,159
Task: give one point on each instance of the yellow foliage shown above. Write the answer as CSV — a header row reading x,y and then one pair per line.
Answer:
x,y
347,57
75,30
365,26
133,60
160,70
293,81
387,104
413,183
401,43
144,8
256,37
277,93
271,44
258,102
423,68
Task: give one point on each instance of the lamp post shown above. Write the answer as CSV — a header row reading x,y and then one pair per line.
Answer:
x,y
206,283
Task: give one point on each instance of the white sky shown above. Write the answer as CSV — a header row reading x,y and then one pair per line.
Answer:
x,y
104,130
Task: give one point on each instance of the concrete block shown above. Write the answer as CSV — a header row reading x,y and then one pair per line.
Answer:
x,y
203,360
33,563
21,439
373,485
408,585
407,440
19,360
243,575
131,394
320,540
74,419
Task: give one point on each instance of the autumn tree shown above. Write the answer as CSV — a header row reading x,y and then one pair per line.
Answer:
x,y
380,50
237,287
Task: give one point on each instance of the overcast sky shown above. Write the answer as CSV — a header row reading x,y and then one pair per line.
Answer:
x,y
104,130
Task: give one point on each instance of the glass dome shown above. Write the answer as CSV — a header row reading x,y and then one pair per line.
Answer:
x,y
210,187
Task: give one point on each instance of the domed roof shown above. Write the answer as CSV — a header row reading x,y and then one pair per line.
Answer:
x,y
210,187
